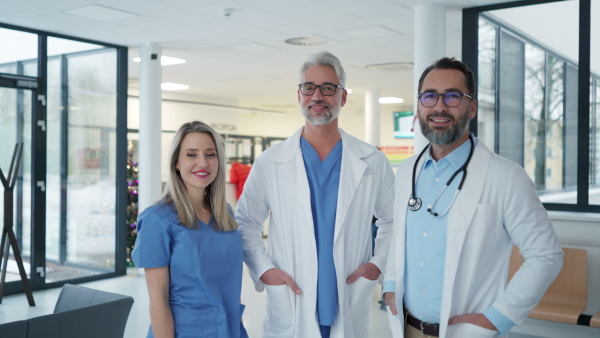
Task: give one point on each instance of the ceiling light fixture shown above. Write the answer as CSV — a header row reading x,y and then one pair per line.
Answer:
x,y
390,100
312,40
165,60
173,86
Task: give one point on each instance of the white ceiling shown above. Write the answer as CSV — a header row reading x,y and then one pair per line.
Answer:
x,y
242,60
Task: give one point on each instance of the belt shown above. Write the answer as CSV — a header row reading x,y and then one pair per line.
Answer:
x,y
427,328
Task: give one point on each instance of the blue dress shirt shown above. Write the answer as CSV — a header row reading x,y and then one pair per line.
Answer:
x,y
324,181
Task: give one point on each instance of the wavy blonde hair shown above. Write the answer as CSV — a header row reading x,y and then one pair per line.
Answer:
x,y
176,193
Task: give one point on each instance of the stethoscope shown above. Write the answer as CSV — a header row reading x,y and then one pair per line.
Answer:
x,y
414,203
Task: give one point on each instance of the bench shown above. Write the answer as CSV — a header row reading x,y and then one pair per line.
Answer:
x,y
595,321
566,298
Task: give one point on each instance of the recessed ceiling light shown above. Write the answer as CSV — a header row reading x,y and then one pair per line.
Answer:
x,y
389,100
165,60
173,86
312,40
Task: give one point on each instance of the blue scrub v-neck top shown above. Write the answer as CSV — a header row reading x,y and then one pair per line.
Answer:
x,y
205,271
324,180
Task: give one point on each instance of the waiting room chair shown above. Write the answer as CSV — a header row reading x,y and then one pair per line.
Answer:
x,y
566,298
595,321
83,312
16,329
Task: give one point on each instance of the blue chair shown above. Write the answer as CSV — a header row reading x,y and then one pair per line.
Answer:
x,y
16,329
83,312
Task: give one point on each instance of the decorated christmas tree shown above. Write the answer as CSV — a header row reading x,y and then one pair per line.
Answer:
x,y
132,203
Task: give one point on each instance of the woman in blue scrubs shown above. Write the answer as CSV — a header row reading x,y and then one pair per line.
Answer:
x,y
189,245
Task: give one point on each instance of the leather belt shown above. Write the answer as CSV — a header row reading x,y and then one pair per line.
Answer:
x,y
426,328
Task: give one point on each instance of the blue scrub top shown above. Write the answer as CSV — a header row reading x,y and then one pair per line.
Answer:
x,y
205,270
324,181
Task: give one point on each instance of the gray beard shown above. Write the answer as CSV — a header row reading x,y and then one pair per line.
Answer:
x,y
331,115
450,136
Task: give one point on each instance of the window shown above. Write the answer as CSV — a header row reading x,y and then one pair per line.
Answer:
x,y
530,81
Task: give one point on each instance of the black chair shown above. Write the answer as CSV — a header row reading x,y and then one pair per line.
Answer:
x,y
83,312
16,329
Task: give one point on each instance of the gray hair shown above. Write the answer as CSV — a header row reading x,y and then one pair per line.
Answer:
x,y
328,60
176,193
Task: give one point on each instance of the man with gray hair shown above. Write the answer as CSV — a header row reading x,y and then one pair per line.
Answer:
x,y
321,188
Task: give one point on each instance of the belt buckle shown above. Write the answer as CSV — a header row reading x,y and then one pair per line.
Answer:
x,y
422,329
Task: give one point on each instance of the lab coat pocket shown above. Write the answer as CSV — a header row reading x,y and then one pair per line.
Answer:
x,y
466,330
359,294
483,226
394,322
196,323
279,321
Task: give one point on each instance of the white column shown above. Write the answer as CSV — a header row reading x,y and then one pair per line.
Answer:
x,y
430,45
150,126
372,117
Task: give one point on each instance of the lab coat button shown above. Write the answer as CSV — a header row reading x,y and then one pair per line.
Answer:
x,y
421,264
437,179
425,235
422,292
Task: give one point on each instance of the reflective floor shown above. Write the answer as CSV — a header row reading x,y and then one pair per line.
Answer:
x,y
15,307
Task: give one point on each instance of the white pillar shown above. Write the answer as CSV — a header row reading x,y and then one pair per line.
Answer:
x,y
150,126
372,117
430,45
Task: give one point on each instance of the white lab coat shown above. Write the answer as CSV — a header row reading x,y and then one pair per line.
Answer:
x,y
278,187
496,207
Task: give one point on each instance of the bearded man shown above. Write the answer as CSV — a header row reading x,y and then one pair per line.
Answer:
x,y
321,188
447,268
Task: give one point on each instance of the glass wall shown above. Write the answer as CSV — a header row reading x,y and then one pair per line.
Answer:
x,y
594,175
73,125
15,127
18,48
528,109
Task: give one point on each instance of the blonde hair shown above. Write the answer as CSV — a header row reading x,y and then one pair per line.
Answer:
x,y
176,193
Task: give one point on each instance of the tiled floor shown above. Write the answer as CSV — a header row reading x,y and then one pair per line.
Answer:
x,y
15,307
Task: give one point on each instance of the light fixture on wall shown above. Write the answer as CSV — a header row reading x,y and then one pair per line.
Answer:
x,y
166,60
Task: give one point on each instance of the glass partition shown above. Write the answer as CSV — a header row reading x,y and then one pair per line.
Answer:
x,y
15,127
523,110
19,52
81,194
594,176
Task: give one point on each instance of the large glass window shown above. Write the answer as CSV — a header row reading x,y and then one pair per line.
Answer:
x,y
69,218
82,177
594,175
486,81
15,127
528,109
19,52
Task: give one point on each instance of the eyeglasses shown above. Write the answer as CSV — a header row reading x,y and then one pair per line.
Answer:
x,y
327,89
451,99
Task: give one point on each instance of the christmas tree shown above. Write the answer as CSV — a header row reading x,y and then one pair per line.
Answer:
x,y
132,203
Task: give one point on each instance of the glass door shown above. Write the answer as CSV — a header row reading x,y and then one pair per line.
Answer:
x,y
16,127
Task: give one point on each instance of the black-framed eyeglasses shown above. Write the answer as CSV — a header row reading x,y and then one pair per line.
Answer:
x,y
327,89
451,99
